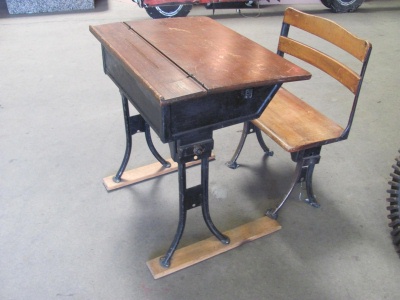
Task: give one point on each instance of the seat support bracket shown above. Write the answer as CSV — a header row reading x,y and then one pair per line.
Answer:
x,y
306,161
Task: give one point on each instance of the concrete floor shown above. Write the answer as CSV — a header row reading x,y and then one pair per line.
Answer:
x,y
63,236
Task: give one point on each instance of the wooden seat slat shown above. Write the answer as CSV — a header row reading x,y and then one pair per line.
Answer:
x,y
295,125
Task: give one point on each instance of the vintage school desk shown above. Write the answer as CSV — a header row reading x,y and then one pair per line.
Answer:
x,y
188,77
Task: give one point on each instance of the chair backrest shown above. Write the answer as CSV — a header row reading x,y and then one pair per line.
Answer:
x,y
337,36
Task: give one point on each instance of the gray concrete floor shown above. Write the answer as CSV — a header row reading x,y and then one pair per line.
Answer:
x,y
63,236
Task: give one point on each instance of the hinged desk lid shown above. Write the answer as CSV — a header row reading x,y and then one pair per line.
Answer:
x,y
183,58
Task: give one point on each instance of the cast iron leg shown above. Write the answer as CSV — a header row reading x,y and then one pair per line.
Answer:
x,y
184,151
232,163
262,143
205,208
273,212
306,161
153,149
188,199
248,128
165,261
128,134
310,194
134,124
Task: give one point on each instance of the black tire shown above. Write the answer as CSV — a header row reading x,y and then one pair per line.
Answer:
x,y
340,6
327,3
168,11
394,204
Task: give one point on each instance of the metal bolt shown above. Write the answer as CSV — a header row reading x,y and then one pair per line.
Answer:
x,y
198,150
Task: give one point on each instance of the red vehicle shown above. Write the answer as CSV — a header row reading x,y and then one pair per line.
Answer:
x,y
180,8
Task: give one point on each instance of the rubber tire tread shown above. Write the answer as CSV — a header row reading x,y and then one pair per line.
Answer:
x,y
394,205
155,14
337,7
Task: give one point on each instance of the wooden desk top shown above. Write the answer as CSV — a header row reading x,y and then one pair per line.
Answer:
x,y
183,58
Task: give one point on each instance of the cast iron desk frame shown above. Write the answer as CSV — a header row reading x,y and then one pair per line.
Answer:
x,y
188,77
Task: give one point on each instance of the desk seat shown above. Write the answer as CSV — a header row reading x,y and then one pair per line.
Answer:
x,y
292,123
295,125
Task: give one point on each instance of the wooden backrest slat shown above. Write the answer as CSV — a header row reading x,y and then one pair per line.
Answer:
x,y
339,38
324,62
329,31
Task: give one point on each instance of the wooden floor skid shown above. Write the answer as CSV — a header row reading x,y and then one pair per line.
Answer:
x,y
211,247
144,173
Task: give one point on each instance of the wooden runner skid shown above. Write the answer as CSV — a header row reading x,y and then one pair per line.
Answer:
x,y
144,173
200,251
